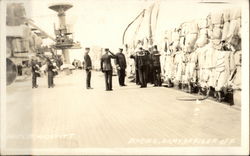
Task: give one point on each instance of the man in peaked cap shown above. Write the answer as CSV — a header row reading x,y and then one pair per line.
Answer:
x,y
88,67
121,66
142,56
156,70
35,72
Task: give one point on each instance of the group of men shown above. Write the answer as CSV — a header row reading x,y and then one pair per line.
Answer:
x,y
51,72
106,67
147,67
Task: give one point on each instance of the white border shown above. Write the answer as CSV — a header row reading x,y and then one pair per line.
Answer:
x,y
3,74
245,78
135,151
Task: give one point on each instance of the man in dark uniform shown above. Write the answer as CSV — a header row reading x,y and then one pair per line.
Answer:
x,y
121,65
107,69
156,66
51,70
142,66
35,73
137,79
150,66
88,67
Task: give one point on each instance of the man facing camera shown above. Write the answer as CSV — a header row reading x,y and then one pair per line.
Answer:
x,y
121,66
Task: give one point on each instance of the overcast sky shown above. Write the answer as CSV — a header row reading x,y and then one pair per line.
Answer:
x,y
102,22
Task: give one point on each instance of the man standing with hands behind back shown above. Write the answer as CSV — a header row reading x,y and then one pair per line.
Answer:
x,y
88,67
121,66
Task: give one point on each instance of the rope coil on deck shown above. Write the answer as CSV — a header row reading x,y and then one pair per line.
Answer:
x,y
192,98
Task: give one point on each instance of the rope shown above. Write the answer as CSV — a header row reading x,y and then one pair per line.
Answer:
x,y
124,33
138,27
156,19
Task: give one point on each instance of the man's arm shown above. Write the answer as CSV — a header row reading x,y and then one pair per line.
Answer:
x,y
113,56
116,60
132,56
87,61
90,62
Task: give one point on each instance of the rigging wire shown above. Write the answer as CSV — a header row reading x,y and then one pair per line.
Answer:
x,y
150,24
124,33
156,19
137,30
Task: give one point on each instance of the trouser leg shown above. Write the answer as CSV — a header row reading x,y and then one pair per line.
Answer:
x,y
150,77
110,80
52,80
157,80
142,75
154,76
145,76
34,80
120,77
137,76
88,78
49,80
158,75
123,76
106,80
33,85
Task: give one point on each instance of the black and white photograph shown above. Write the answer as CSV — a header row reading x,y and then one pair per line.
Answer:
x,y
124,77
